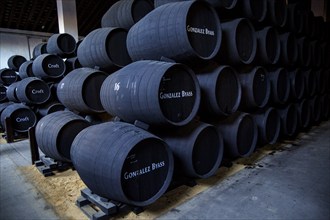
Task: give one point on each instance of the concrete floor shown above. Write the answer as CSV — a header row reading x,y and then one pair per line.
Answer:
x,y
290,184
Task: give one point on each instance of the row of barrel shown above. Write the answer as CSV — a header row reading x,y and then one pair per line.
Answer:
x,y
280,101
224,91
28,87
156,104
179,119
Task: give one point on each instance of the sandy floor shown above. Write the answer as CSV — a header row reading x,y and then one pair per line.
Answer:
x,y
62,190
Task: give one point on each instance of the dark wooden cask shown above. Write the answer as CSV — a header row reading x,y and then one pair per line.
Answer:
x,y
276,12
55,133
11,92
256,88
220,90
304,113
269,125
39,49
3,93
126,13
240,134
61,44
289,49
316,106
304,53
32,90
48,66
310,82
297,84
25,70
280,85
268,46
289,120
80,90
15,61
104,48
125,164
198,148
50,107
154,92
182,31
239,44
21,117
8,76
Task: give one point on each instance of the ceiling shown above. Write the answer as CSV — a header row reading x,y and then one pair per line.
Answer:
x,y
41,15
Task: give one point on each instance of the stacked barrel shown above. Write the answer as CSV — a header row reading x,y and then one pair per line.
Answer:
x,y
28,87
186,83
209,79
155,95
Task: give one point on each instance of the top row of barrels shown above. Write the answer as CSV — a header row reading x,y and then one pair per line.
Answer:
x,y
262,32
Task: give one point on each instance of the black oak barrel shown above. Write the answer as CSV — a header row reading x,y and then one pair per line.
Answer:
x,y
3,93
256,88
269,125
15,61
220,90
215,3
289,49
61,44
280,85
153,92
322,78
122,162
48,66
226,4
310,82
71,64
80,90
239,42
268,46
158,3
316,106
32,90
316,53
289,120
3,106
295,20
55,133
182,31
21,117
325,53
8,76
49,107
25,70
276,12
255,10
297,84
11,92
39,49
304,113
240,134
126,13
304,54
104,48
198,148
325,103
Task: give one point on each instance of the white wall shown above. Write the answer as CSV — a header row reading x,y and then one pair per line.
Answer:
x,y
17,42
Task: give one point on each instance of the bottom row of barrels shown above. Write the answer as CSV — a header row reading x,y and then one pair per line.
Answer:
x,y
126,163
